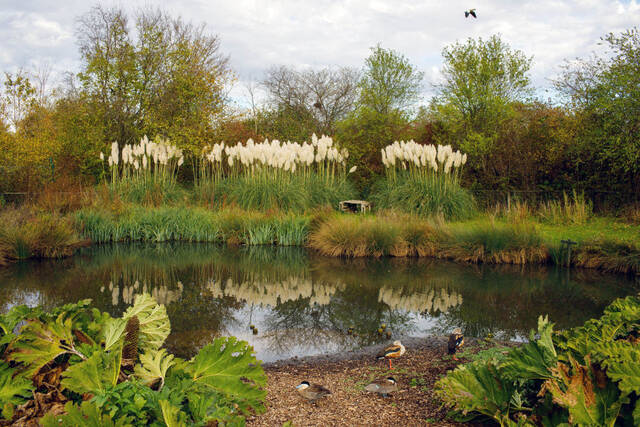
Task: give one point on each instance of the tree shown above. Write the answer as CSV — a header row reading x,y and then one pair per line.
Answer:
x,y
18,99
605,93
163,77
482,79
389,81
326,95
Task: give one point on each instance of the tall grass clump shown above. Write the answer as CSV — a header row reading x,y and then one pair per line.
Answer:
x,y
496,243
274,175
424,180
614,256
26,234
368,235
165,224
146,172
573,209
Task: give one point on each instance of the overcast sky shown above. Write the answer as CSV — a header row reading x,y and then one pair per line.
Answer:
x,y
259,33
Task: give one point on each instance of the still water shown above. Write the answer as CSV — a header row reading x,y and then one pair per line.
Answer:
x,y
302,304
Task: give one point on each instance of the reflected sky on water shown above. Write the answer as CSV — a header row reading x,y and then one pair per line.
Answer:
x,y
303,304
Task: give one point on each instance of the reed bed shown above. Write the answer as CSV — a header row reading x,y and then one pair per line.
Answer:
x,y
165,224
368,235
423,180
496,243
404,235
27,234
608,255
571,209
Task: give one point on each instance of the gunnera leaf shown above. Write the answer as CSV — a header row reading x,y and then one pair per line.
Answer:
x,y
86,415
154,322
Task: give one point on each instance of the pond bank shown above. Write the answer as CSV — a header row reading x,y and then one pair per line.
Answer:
x,y
346,375
602,243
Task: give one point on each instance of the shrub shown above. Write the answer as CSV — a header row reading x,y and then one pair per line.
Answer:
x,y
118,364
585,376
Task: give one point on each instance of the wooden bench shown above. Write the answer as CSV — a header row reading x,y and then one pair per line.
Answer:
x,y
360,206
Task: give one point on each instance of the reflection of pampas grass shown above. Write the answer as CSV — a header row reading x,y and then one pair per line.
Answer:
x,y
430,300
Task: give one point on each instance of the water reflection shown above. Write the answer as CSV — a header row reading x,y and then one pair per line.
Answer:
x,y
303,304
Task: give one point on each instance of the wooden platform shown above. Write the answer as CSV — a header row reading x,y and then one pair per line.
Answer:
x,y
357,206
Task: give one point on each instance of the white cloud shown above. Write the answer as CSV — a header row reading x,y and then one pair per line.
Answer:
x,y
258,33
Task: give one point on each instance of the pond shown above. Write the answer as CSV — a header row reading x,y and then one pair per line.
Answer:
x,y
303,304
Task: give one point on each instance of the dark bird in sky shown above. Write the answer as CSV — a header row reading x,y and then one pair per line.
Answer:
x,y
471,12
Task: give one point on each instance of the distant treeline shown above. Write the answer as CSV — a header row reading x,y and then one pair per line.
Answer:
x,y
153,74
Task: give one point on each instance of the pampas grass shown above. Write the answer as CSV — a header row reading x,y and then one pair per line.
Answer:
x,y
423,180
274,175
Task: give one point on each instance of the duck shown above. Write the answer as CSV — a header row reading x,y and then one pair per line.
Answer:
x,y
392,352
384,387
456,340
312,392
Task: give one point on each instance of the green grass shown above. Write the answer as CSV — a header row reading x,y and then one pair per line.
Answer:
x,y
164,224
28,234
438,195
289,193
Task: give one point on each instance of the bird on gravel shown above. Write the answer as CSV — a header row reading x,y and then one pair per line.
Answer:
x,y
392,352
312,392
384,387
471,12
456,340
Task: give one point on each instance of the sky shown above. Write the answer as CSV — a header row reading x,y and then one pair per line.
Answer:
x,y
257,34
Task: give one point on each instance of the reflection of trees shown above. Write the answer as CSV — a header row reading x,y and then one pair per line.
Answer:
x,y
309,301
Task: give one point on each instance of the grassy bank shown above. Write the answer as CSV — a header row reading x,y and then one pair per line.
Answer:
x,y
504,238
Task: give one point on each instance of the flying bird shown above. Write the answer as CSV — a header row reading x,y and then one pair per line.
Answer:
x,y
384,387
392,352
456,340
471,12
312,392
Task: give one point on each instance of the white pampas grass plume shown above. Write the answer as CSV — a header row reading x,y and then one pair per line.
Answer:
x,y
101,156
353,169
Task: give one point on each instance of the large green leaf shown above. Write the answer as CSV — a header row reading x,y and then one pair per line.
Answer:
x,y
86,415
96,374
113,332
625,368
14,390
229,367
534,359
154,322
576,388
39,344
477,387
172,415
153,367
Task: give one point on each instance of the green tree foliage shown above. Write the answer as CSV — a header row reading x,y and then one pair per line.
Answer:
x,y
482,81
605,93
389,87
389,82
161,77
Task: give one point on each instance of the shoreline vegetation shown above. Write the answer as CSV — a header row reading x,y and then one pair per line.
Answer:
x,y
516,236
